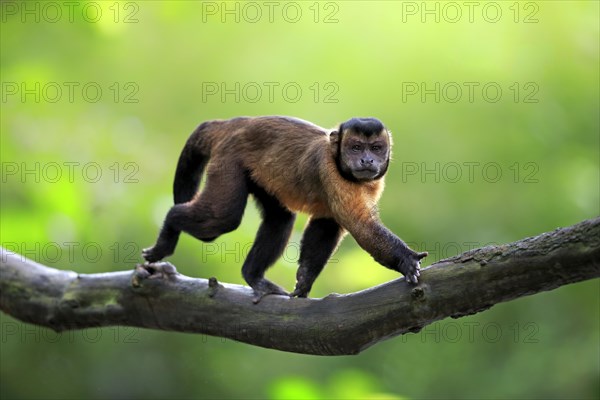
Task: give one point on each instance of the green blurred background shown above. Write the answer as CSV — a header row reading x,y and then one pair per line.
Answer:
x,y
494,109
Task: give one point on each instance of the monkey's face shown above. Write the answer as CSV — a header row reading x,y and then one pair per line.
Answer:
x,y
362,157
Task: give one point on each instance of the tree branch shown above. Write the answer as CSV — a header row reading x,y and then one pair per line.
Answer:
x,y
334,325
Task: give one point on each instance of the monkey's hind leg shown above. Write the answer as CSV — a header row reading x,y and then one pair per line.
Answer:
x,y
271,239
217,210
319,241
165,244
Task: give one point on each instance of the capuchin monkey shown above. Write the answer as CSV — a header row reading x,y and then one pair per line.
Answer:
x,y
290,166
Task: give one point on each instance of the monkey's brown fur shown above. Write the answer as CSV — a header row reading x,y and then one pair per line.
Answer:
x,y
291,166
294,161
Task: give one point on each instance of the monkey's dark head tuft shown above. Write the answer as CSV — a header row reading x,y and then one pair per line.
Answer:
x,y
366,126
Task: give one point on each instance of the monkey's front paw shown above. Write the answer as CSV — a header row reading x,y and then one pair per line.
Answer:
x,y
410,266
264,287
304,282
300,292
302,286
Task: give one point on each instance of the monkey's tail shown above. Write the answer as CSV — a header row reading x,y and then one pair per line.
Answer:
x,y
190,166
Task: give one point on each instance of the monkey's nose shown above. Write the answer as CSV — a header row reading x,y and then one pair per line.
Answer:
x,y
368,161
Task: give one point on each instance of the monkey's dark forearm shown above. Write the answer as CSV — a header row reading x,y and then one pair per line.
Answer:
x,y
383,245
391,250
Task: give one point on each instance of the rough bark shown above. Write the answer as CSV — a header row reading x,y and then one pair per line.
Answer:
x,y
334,325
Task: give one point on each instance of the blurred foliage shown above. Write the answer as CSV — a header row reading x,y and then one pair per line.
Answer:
x,y
86,177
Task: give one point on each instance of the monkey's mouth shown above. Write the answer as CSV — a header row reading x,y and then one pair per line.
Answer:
x,y
365,174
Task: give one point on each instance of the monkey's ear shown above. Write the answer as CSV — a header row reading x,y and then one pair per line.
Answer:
x,y
422,255
334,136
334,143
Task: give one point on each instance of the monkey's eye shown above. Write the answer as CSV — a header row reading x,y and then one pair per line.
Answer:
x,y
356,148
376,148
